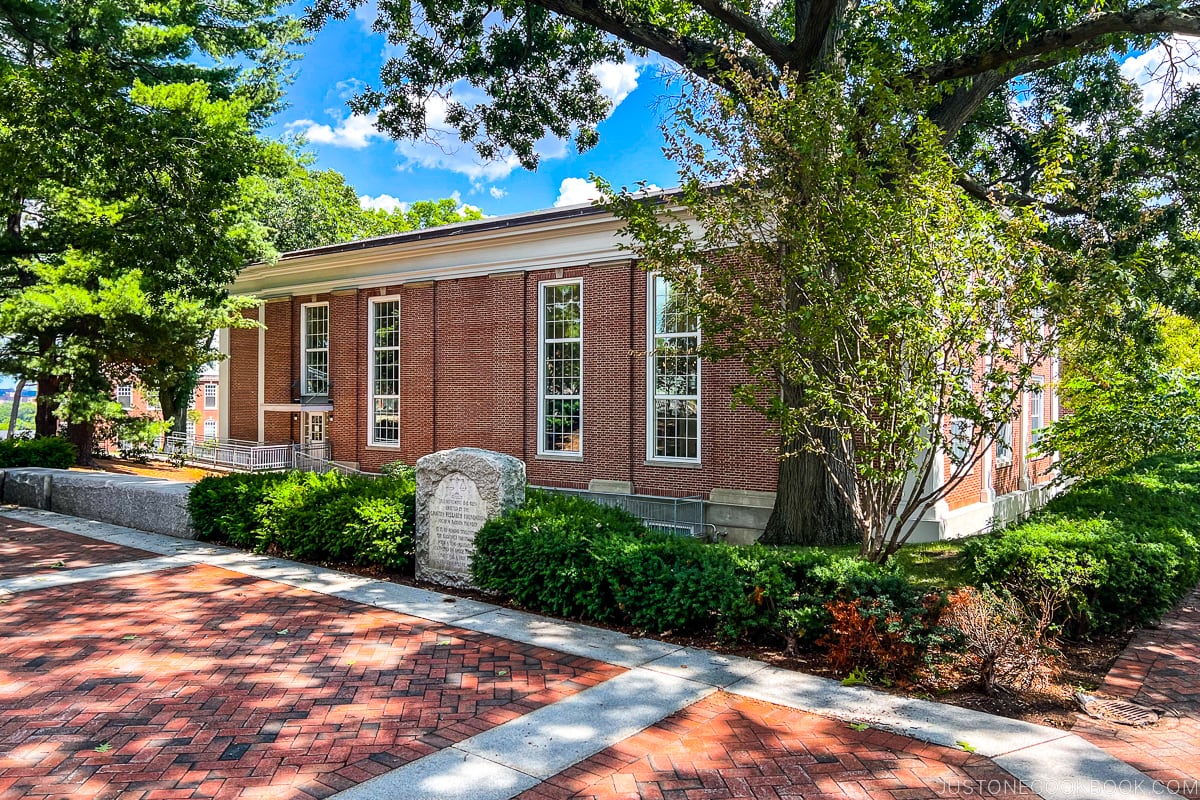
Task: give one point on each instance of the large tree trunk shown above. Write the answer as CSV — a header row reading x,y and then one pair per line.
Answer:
x,y
82,435
809,509
45,423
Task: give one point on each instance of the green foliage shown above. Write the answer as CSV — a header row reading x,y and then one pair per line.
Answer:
x,y
44,451
1133,393
1112,553
125,130
135,437
876,327
574,558
321,517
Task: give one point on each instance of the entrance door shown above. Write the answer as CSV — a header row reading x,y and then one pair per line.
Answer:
x,y
315,443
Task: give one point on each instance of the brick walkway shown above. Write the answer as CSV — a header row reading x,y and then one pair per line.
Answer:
x,y
27,549
198,682
1160,667
205,682
727,746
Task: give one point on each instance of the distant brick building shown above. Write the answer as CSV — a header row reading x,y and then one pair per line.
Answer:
x,y
204,412
531,335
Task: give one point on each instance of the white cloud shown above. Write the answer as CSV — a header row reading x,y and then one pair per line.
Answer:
x,y
349,87
496,192
617,81
1152,71
384,202
354,132
573,191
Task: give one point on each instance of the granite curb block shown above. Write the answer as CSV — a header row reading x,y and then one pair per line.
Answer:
x,y
1057,764
152,504
526,751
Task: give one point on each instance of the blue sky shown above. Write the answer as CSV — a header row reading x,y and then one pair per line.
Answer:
x,y
346,55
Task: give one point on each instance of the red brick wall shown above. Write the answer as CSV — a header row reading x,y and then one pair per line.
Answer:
x,y
243,381
474,383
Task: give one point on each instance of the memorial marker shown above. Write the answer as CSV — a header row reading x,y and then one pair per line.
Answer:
x,y
457,491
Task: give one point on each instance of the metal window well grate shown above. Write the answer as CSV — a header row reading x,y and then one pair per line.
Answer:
x,y
680,516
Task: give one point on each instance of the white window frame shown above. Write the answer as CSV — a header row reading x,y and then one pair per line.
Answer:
x,y
371,396
189,427
210,423
210,397
1037,388
124,395
541,360
305,349
1004,450
651,346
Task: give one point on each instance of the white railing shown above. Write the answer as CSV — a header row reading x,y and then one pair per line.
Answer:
x,y
231,453
253,457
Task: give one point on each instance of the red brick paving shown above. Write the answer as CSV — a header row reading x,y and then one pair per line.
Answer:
x,y
27,549
208,684
1160,667
727,746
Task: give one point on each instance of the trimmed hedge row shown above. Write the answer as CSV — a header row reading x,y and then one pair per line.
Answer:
x,y
1120,550
330,517
571,557
44,451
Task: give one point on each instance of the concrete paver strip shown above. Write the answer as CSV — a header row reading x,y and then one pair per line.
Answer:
x,y
87,574
541,743
730,746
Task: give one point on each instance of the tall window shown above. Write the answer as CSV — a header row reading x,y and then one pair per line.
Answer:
x,y
125,395
1037,412
191,429
210,395
1004,444
560,373
314,361
210,429
385,372
674,375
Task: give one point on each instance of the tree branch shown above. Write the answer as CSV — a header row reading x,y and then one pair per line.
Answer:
x,y
748,26
1147,20
704,58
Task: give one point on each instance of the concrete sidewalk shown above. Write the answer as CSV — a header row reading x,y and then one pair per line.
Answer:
x,y
138,665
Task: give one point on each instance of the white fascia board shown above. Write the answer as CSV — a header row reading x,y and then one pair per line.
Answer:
x,y
556,244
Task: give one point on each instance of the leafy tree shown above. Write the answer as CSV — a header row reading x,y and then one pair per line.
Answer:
x,y
126,129
421,214
301,207
1027,96
879,288
1130,396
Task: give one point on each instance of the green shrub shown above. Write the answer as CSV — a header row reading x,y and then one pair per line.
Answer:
x,y
330,517
44,451
574,558
1112,553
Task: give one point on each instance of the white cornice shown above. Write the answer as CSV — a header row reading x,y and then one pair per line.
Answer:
x,y
544,244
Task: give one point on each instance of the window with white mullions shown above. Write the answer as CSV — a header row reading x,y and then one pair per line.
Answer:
x,y
560,343
210,395
1037,413
314,353
674,372
385,372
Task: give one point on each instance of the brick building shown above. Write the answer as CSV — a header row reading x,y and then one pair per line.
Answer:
x,y
204,413
530,335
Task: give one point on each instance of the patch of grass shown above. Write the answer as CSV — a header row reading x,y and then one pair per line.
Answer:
x,y
930,566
